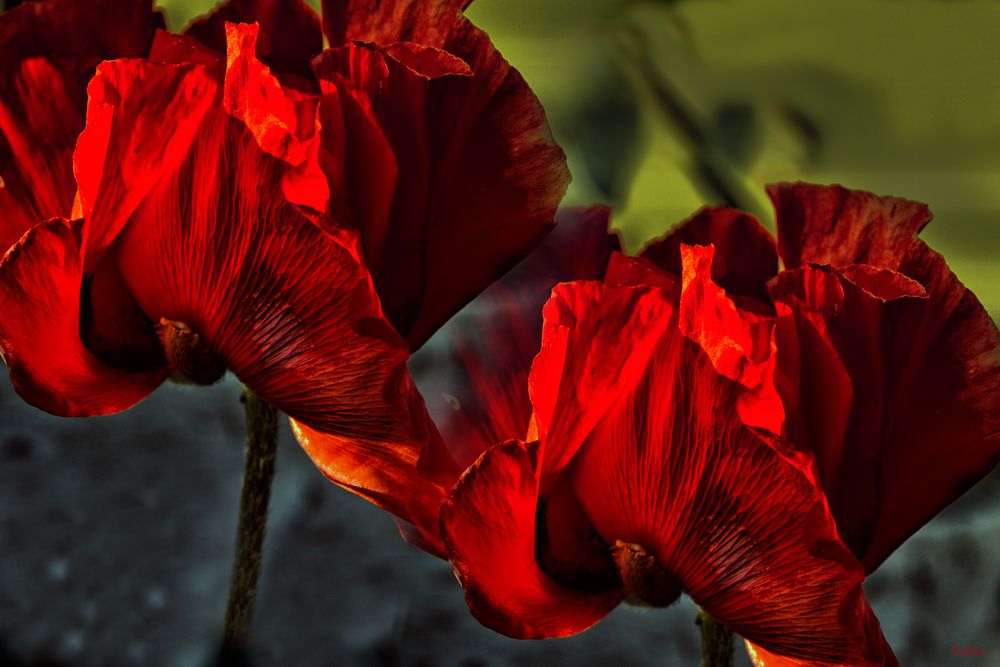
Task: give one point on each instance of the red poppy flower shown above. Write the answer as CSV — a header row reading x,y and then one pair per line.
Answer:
x,y
48,52
642,480
690,432
234,217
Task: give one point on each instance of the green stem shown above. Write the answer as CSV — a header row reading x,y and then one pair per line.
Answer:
x,y
716,642
262,445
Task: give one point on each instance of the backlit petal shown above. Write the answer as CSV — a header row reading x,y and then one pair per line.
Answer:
x,y
489,525
922,356
745,253
48,52
582,367
479,175
292,29
141,120
51,368
672,467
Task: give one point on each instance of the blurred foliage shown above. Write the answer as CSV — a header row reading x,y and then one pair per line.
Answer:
x,y
895,97
665,106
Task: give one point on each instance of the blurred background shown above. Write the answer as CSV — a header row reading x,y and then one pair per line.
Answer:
x,y
116,533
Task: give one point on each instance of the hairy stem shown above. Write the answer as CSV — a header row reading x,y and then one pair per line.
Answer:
x,y
262,445
716,642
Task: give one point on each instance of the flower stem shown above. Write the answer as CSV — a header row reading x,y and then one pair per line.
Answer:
x,y
716,642
262,445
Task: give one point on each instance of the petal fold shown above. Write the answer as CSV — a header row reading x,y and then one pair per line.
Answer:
x,y
479,174
282,120
582,368
837,226
489,526
920,422
740,345
745,257
292,28
141,120
50,367
671,467
49,51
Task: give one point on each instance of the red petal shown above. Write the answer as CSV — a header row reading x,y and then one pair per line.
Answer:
x,y
883,284
48,52
582,367
806,362
745,254
479,174
40,281
428,61
292,29
672,468
837,226
386,21
924,417
761,658
289,307
113,326
388,469
638,272
922,354
282,120
477,390
75,36
182,50
739,344
360,168
489,526
141,119
41,114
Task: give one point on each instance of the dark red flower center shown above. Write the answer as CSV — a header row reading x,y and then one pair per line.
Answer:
x,y
645,581
191,361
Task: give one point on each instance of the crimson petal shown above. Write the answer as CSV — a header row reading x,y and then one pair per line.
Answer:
x,y
49,50
745,254
919,378
125,150
40,117
287,304
282,120
671,467
582,368
386,21
837,226
479,174
489,525
921,353
292,28
478,392
51,368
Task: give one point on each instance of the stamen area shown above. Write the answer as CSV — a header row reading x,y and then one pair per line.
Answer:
x,y
646,582
191,361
